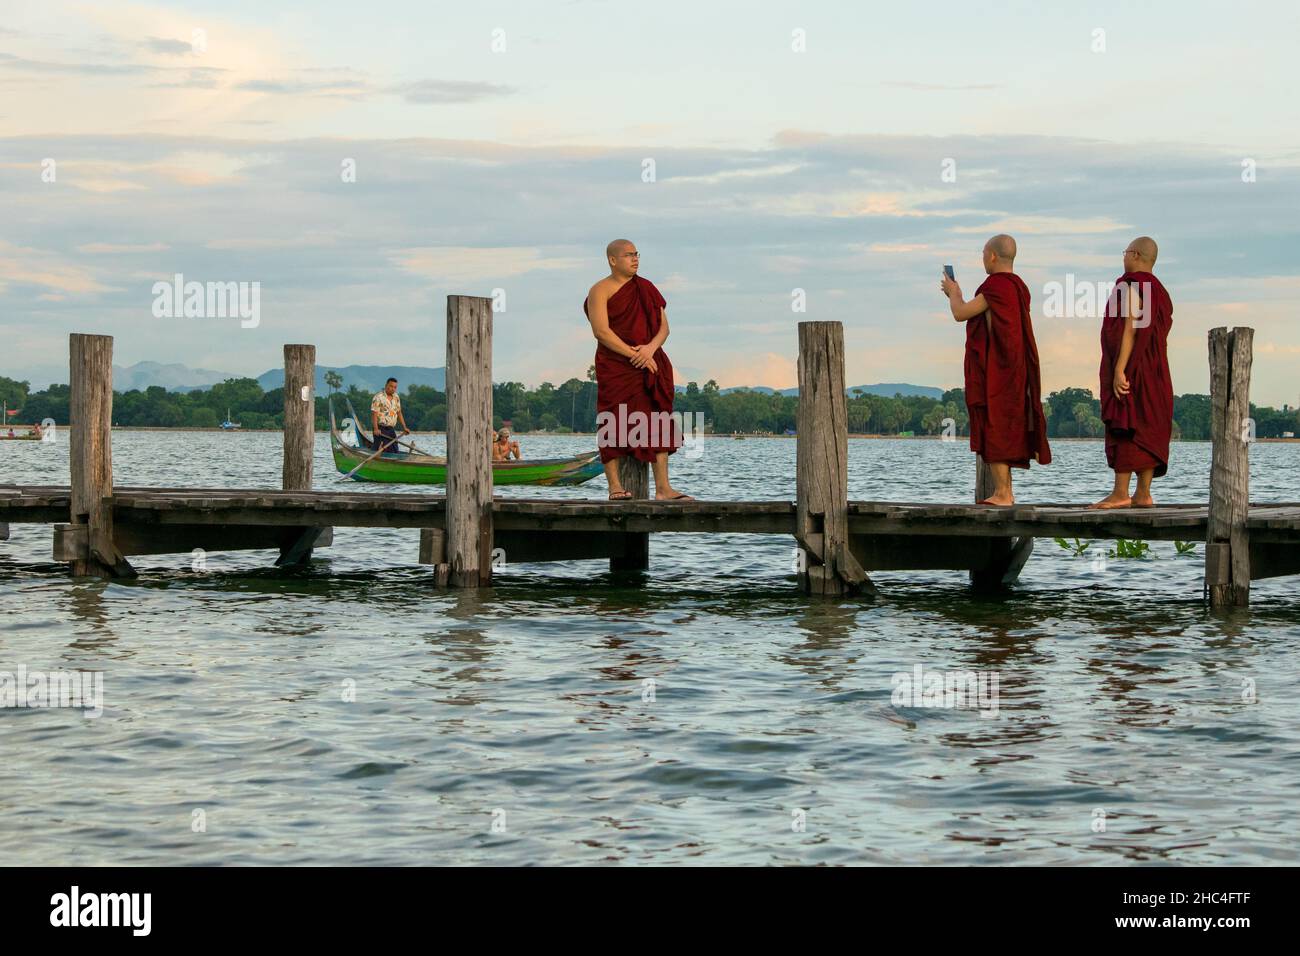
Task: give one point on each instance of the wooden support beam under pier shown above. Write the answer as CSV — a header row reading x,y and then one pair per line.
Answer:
x,y
881,535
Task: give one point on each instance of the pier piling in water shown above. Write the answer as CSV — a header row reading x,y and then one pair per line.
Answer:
x,y
822,464
88,538
299,442
1006,556
634,476
469,440
1227,540
299,416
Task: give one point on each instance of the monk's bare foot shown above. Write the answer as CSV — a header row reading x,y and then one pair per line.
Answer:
x,y
671,494
1143,501
1004,501
1113,501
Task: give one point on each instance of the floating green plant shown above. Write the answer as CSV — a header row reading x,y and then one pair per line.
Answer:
x,y
1076,548
1130,548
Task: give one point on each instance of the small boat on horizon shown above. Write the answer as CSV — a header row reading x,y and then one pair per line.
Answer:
x,y
228,425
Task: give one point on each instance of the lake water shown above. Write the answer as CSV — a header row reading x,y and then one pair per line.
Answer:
x,y
517,725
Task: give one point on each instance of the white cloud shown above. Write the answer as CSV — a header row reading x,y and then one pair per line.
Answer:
x,y
111,248
1048,226
450,264
45,270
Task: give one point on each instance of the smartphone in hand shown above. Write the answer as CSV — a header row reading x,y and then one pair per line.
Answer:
x,y
947,270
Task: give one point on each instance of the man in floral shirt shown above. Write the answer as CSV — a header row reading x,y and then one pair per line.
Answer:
x,y
385,413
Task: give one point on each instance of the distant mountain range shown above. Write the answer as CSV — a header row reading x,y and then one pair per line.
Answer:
x,y
174,378
182,378
885,389
369,378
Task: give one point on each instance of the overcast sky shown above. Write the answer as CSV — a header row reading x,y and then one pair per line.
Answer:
x,y
501,145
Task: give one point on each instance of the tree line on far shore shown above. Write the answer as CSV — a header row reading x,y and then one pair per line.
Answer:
x,y
571,406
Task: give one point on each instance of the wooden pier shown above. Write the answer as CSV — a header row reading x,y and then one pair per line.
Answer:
x,y
99,526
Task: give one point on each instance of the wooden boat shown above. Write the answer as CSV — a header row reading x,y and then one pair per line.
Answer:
x,y
405,467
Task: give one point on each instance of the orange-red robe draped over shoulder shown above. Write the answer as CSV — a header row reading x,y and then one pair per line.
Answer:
x,y
635,313
1139,424
1003,386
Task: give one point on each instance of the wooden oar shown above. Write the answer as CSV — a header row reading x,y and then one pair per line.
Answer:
x,y
371,458
418,451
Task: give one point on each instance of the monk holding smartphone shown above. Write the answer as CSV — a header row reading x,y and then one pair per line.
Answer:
x,y
1003,382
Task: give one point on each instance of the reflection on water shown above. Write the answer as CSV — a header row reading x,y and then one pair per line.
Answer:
x,y
352,713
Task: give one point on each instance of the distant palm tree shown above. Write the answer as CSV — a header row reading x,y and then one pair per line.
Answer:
x,y
334,380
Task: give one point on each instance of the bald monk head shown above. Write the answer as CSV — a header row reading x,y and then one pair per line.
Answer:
x,y
623,258
999,254
1140,256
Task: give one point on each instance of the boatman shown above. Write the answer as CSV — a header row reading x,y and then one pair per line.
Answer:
x,y
1003,384
385,414
634,379
1137,391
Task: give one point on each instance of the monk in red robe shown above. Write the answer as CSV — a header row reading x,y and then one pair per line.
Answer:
x,y
1003,386
634,379
1137,392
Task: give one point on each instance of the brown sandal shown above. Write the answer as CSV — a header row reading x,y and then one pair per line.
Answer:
x,y
621,495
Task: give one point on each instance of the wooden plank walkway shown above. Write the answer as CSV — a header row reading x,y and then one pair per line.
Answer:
x,y
881,535
256,506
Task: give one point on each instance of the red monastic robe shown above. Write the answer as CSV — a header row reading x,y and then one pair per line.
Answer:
x,y
635,313
1003,388
1138,426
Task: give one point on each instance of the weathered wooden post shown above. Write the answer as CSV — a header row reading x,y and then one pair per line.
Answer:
x,y
822,463
984,484
433,550
89,537
1007,556
635,477
1227,542
299,416
469,439
299,441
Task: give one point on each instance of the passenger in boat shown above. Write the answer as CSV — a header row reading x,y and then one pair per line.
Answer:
x,y
503,448
385,414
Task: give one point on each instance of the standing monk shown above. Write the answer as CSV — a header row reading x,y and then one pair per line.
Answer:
x,y
1137,392
634,379
1003,390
